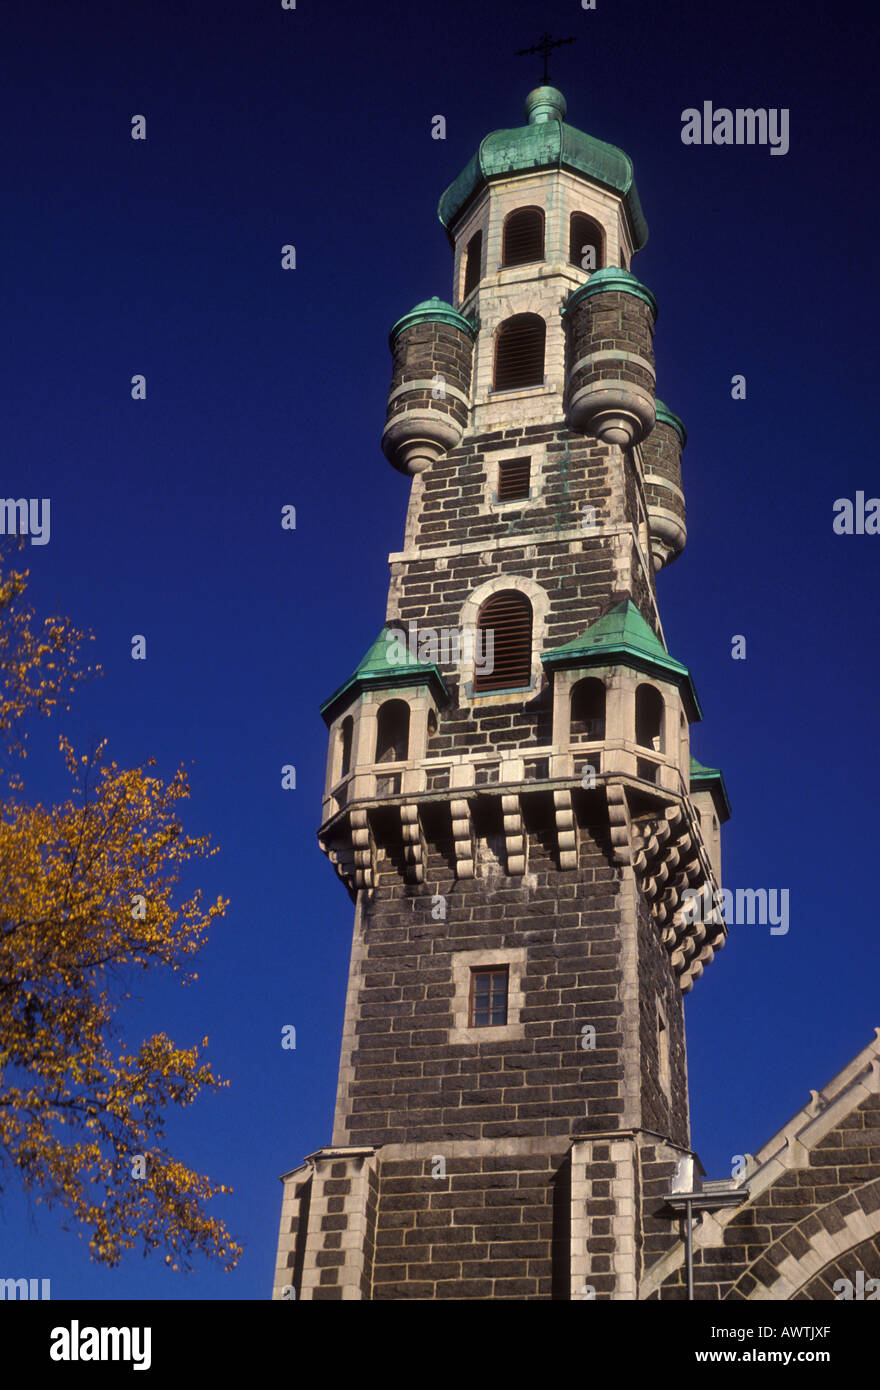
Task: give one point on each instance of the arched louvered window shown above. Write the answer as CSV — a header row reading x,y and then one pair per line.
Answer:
x,y
588,710
649,718
473,257
519,353
504,637
586,242
523,238
392,732
345,735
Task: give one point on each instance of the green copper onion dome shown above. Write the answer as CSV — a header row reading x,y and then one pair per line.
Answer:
x,y
434,310
546,143
613,278
668,417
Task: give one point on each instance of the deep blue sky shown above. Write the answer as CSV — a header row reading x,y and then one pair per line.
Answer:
x,y
312,127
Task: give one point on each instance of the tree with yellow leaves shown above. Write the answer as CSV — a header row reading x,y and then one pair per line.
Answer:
x,y
87,898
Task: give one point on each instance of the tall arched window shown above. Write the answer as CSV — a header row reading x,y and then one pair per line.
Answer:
x,y
586,247
345,735
523,237
473,257
392,732
588,710
519,353
504,635
649,718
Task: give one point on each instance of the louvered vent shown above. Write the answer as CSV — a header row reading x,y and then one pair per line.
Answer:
x,y
513,480
519,354
523,237
472,259
508,617
585,233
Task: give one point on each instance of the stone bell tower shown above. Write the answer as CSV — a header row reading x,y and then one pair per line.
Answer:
x,y
510,799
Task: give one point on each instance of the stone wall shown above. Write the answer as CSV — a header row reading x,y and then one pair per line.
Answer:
x,y
813,1224
409,1081
461,541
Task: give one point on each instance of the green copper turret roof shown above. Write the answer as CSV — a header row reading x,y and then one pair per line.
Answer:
x,y
432,311
387,663
668,417
546,143
612,278
711,779
623,638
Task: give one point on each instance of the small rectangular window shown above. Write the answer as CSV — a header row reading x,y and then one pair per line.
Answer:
x,y
488,1002
663,1053
513,480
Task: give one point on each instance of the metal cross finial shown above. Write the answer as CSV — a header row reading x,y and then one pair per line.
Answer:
x,y
544,47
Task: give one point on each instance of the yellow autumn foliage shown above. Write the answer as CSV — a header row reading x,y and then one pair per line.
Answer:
x,y
78,1105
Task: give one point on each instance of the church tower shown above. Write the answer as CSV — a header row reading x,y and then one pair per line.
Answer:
x,y
510,800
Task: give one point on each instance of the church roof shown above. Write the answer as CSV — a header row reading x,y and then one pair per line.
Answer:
x,y
546,143
668,417
806,1142
434,310
377,670
623,638
711,779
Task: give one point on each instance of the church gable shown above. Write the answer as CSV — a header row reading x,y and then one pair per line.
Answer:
x,y
812,1216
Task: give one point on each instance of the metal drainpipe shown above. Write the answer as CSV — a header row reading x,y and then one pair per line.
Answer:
x,y
689,1248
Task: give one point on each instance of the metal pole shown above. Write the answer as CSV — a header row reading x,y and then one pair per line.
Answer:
x,y
689,1249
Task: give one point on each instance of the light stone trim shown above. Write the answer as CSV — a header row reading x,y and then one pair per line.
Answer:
x,y
415,848
795,1272
359,1163
559,193
540,601
428,384
462,964
602,355
566,829
668,487
517,393
515,839
623,1222
539,1145
581,1191
619,536
540,287
859,1079
631,1051
363,709
347,1073
463,838
566,533
288,1237
537,456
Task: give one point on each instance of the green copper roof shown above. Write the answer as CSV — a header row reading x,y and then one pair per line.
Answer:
x,y
711,779
623,638
667,417
612,278
432,311
377,670
546,143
